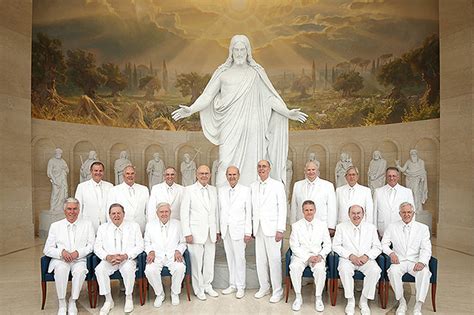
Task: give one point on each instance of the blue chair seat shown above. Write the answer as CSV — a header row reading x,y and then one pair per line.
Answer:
x,y
433,267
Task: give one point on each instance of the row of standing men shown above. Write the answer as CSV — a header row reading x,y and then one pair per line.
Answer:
x,y
235,214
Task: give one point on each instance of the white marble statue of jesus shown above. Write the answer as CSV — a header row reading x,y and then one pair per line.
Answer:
x,y
243,114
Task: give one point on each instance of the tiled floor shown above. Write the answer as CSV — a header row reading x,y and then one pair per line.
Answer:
x,y
20,292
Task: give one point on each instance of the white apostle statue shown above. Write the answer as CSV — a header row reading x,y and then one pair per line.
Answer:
x,y
376,172
243,114
120,165
416,179
85,172
155,170
57,172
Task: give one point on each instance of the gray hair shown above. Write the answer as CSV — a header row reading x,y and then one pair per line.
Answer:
x,y
163,204
404,204
70,200
352,168
349,210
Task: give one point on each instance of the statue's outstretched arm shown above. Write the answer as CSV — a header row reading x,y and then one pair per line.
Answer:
x,y
293,114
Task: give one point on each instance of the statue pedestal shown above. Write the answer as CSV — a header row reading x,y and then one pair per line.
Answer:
x,y
221,271
46,218
425,217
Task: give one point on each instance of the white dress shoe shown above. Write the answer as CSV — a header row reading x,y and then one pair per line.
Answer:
x,y
402,309
201,296
106,308
62,310
211,292
229,290
276,298
417,313
350,309
174,299
159,300
261,293
364,309
128,308
240,293
319,305
72,308
297,304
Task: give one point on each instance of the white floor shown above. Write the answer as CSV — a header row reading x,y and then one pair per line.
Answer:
x,y
20,292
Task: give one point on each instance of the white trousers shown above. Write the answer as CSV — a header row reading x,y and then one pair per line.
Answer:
x,y
202,265
153,274
297,267
422,279
61,269
235,255
126,269
268,259
371,271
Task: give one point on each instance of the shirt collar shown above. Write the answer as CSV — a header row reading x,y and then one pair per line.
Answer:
x,y
201,186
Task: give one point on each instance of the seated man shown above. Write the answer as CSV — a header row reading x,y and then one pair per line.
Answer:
x,y
69,242
357,244
164,245
310,243
118,243
411,253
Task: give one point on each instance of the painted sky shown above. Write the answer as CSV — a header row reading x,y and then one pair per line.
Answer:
x,y
193,35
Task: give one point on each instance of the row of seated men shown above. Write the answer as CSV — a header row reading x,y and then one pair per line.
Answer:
x,y
238,213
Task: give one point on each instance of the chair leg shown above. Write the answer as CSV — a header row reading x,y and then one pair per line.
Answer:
x,y
433,296
43,291
96,292
335,287
89,292
145,288
287,288
140,291
188,286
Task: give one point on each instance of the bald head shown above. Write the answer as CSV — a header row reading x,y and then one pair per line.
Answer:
x,y
232,175
263,169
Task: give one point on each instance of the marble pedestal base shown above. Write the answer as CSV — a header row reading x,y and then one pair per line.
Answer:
x,y
46,218
425,217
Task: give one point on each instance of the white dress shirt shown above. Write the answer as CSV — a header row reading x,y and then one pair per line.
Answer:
x,y
347,196
235,211
310,239
92,197
164,193
124,239
164,239
357,240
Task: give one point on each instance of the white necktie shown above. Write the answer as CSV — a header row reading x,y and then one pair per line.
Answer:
x,y
261,188
351,193
99,193
357,236
310,231
118,240
406,233
71,229
231,194
310,189
170,193
205,195
131,191
392,195
164,232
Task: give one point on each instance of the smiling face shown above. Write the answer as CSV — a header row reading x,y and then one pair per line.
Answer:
x,y
232,175
263,169
392,177
116,215
203,175
352,177
170,176
356,214
407,213
129,175
97,172
71,211
309,211
239,53
164,213
311,171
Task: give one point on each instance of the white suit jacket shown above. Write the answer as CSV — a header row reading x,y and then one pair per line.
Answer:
x,y
91,207
132,240
305,244
322,195
135,205
344,242
198,218
362,196
269,207
159,193
416,249
386,212
236,213
154,240
58,239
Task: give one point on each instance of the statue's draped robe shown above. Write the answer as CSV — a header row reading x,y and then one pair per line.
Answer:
x,y
377,169
246,129
416,180
57,172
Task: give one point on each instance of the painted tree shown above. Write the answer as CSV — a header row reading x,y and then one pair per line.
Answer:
x,y
192,84
82,71
348,83
150,84
115,80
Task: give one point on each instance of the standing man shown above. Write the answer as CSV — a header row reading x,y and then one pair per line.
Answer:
x,y
118,243
199,213
92,195
354,194
132,196
269,224
357,244
236,228
310,244
69,241
411,253
164,245
168,191
320,191
387,200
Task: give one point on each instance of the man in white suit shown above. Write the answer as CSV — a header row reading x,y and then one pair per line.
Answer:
x,y
269,224
310,244
388,198
320,191
69,241
358,245
236,228
117,244
354,194
411,253
199,215
92,195
164,245
132,196
168,191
